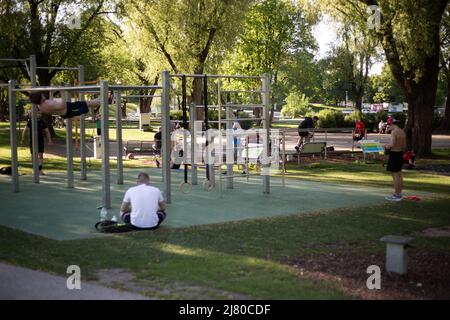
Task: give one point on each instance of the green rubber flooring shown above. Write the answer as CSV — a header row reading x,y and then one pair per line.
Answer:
x,y
52,210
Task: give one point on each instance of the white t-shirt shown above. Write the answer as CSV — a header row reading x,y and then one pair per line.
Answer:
x,y
144,200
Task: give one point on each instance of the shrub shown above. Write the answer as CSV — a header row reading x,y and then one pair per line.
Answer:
x,y
176,115
296,105
245,124
330,119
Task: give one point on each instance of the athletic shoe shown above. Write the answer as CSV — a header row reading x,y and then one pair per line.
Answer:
x,y
297,148
394,198
42,173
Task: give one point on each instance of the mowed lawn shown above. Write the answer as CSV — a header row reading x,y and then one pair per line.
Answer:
x,y
246,258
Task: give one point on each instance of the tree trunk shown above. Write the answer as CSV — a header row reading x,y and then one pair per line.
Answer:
x,y
124,109
421,97
3,105
358,100
445,124
197,93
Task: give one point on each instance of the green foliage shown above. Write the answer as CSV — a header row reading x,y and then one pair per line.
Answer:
x,y
296,105
385,88
276,39
177,115
330,119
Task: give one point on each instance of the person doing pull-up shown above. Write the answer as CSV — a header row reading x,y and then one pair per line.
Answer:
x,y
64,108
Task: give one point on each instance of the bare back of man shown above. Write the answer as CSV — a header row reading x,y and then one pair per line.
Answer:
x,y
63,108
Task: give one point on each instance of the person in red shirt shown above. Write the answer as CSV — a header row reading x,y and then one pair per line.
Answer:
x,y
408,159
360,130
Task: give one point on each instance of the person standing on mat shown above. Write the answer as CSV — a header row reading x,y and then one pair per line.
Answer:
x,y
41,130
64,108
396,150
143,205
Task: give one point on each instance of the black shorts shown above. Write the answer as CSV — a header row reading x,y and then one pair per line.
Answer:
x,y
75,109
161,216
395,162
303,133
40,149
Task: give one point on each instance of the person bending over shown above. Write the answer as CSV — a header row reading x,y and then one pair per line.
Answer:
x,y
143,205
304,135
64,108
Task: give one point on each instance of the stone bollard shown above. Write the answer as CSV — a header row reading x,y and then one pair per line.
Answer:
x,y
396,253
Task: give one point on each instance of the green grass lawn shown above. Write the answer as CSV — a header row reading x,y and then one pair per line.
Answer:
x,y
247,257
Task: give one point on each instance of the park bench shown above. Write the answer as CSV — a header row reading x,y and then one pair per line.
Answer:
x,y
312,148
137,146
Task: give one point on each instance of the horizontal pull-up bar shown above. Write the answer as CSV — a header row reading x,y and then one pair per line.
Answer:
x,y
215,76
114,87
236,119
14,60
232,106
58,68
52,89
141,96
241,91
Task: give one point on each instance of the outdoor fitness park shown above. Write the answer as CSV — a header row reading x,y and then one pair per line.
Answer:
x,y
281,150
217,198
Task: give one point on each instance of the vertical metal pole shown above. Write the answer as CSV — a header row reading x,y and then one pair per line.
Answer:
x,y
34,128
69,146
165,124
119,138
13,136
266,103
283,134
82,127
219,104
104,107
192,118
230,148
353,140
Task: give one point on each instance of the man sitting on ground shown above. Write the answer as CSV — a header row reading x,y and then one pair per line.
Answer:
x,y
143,205
64,108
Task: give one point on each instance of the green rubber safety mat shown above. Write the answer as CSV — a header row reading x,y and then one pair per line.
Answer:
x,y
52,210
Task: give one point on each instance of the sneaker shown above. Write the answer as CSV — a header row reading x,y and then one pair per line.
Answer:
x,y
394,198
297,147
42,173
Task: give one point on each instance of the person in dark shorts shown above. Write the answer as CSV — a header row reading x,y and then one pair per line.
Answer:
x,y
305,135
98,124
143,205
157,146
64,108
396,150
42,130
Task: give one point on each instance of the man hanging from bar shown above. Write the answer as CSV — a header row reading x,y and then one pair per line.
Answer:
x,y
63,108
